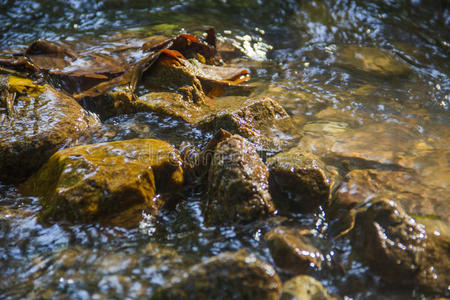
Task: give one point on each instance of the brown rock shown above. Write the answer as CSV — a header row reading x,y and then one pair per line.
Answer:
x,y
235,275
292,250
305,288
39,121
169,74
405,188
110,183
371,60
238,189
299,181
401,250
254,119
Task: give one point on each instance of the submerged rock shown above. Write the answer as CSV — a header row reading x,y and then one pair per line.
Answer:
x,y
403,187
299,181
238,189
105,270
110,183
292,251
304,287
401,250
371,60
237,275
37,121
367,145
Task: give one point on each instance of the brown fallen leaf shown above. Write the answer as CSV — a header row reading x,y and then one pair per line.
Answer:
x,y
20,64
46,48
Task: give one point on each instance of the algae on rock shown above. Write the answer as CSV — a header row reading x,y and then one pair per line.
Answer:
x,y
304,287
43,121
112,183
238,188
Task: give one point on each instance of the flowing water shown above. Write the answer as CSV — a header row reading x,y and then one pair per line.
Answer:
x,y
372,75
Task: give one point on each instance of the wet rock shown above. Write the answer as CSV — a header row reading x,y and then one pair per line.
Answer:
x,y
111,183
117,101
371,60
196,163
401,250
304,287
292,251
170,104
262,121
403,187
238,189
254,119
38,121
299,181
237,275
170,74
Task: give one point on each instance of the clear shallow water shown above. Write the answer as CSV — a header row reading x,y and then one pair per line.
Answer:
x,y
393,115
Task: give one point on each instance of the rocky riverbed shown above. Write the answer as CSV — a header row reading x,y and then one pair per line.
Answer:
x,y
167,165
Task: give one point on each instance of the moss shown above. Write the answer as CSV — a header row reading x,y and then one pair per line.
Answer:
x,y
105,181
25,86
44,120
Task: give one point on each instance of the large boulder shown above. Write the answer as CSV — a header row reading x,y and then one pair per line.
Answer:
x,y
111,183
292,250
300,181
401,250
35,121
237,275
238,187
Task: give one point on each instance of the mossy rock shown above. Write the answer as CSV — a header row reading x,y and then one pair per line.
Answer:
x,y
39,121
170,75
300,181
254,119
304,287
170,104
109,183
237,275
238,187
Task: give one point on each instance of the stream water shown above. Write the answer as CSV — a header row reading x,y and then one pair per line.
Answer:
x,y
370,76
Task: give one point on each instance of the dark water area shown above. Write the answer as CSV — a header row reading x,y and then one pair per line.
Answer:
x,y
371,77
